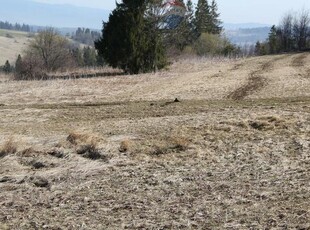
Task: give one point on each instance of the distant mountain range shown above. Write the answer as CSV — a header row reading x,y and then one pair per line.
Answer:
x,y
236,26
42,14
247,36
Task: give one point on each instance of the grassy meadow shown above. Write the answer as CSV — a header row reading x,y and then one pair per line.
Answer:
x,y
12,43
120,152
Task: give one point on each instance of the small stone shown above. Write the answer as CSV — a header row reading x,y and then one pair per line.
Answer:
x,y
40,182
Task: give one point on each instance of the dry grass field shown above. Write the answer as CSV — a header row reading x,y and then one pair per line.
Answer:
x,y
233,152
12,43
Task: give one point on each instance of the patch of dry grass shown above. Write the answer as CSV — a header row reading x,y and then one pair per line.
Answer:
x,y
197,164
125,146
11,47
9,147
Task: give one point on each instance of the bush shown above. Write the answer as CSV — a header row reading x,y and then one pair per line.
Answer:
x,y
47,52
7,68
213,44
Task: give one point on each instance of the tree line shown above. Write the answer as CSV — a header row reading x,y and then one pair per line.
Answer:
x,y
291,35
50,52
86,36
19,27
139,37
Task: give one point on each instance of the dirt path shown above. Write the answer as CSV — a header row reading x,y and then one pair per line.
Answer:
x,y
255,81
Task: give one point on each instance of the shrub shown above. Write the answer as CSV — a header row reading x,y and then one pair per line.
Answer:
x,y
124,146
7,68
47,52
213,44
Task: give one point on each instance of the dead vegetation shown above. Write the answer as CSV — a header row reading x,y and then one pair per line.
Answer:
x,y
150,163
255,82
9,147
299,61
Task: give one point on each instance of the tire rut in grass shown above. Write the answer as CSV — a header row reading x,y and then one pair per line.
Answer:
x,y
256,81
299,63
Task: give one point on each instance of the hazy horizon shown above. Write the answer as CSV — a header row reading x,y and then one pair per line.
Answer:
x,y
90,14
243,11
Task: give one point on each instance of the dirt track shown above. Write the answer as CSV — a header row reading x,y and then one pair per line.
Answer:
x,y
118,153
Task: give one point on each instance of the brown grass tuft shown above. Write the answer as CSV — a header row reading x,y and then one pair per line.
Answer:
x,y
76,137
125,146
268,123
169,145
9,147
28,152
260,125
180,143
91,152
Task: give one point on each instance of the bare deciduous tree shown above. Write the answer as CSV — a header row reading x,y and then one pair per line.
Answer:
x,y
52,49
301,29
286,27
47,52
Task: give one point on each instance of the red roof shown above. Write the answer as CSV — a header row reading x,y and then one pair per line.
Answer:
x,y
174,3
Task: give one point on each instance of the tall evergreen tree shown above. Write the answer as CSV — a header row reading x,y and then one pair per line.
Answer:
x,y
78,56
203,17
90,58
18,63
273,40
190,14
7,68
128,41
216,27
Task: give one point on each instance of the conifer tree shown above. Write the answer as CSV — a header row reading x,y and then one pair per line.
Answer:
x,y
207,18
216,27
7,68
273,40
78,57
90,58
18,64
128,39
202,17
190,11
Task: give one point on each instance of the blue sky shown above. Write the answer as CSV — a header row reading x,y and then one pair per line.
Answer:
x,y
238,11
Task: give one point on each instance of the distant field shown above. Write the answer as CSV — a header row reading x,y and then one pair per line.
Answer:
x,y
12,43
233,152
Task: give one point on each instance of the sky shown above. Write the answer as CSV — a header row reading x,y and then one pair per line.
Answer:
x,y
238,11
